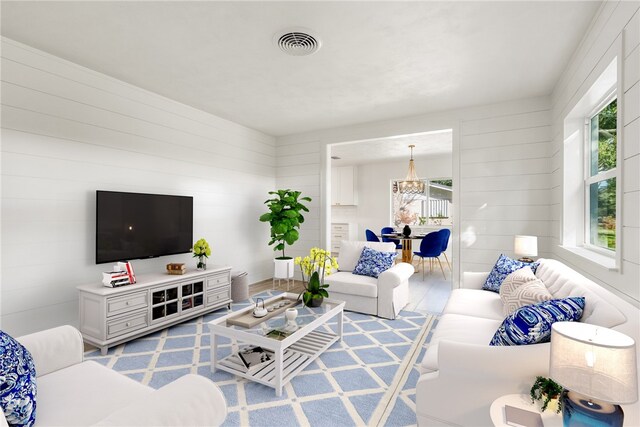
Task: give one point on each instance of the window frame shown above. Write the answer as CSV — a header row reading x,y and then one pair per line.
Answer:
x,y
429,222
588,179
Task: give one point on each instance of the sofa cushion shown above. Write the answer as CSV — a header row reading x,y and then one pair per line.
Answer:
x,y
459,328
475,302
372,262
350,251
345,282
532,324
83,394
502,268
17,382
521,288
562,282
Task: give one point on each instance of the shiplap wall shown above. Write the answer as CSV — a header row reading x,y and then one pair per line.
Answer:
x,y
68,131
500,169
613,21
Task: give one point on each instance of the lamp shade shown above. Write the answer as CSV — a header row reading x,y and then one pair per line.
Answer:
x,y
525,246
597,362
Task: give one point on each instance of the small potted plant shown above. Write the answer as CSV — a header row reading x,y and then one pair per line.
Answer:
x,y
548,391
285,217
202,251
315,266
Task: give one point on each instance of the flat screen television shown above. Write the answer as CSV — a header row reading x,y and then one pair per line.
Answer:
x,y
136,226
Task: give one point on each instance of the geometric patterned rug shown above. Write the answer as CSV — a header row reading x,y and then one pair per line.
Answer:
x,y
367,379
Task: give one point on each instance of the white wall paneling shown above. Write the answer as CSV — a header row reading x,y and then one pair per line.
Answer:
x,y
500,165
615,22
68,131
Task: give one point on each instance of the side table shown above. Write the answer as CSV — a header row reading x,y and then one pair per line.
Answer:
x,y
522,401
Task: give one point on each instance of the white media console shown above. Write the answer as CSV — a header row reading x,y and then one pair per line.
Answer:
x,y
111,316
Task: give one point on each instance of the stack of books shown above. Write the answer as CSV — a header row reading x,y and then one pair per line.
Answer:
x,y
122,276
176,268
254,357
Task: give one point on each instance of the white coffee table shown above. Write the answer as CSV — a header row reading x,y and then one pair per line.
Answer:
x,y
292,354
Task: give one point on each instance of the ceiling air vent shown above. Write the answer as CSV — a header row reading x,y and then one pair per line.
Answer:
x,y
297,41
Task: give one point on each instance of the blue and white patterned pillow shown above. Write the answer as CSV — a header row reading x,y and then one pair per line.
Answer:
x,y
531,324
17,382
505,266
372,262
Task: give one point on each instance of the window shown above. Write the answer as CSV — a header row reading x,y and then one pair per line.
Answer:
x,y
432,208
601,177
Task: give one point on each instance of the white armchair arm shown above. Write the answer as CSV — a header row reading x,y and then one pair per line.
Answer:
x,y
394,276
54,349
392,297
473,280
476,375
191,400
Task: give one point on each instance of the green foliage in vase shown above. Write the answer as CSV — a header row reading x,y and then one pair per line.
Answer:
x,y
547,389
285,217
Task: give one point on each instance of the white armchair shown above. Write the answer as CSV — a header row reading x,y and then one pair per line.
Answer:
x,y
72,392
384,296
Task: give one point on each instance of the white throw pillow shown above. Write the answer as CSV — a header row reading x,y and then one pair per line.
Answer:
x,y
350,251
522,288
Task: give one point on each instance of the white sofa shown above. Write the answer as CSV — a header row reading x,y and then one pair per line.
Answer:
x,y
462,374
72,392
384,296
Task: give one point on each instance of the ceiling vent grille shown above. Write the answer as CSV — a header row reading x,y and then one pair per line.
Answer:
x,y
297,42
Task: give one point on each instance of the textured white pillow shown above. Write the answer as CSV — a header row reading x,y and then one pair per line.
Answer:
x,y
522,288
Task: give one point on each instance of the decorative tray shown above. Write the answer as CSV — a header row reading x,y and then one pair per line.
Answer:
x,y
247,320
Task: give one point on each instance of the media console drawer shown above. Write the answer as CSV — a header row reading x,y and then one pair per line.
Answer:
x,y
217,280
218,296
127,324
127,303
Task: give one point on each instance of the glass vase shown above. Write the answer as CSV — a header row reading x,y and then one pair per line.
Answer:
x,y
202,263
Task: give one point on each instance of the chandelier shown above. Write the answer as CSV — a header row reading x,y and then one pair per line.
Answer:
x,y
411,184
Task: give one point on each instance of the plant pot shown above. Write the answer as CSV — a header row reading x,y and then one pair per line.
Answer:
x,y
316,302
202,263
283,268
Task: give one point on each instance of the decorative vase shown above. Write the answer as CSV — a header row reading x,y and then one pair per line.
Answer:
x,y
316,302
202,263
406,231
291,314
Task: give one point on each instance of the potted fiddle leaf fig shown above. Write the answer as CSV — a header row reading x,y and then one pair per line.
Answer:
x,y
548,391
284,217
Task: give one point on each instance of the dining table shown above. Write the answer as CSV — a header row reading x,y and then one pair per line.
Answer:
x,y
407,253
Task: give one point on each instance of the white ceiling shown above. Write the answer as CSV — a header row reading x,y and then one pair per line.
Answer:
x,y
379,60
392,149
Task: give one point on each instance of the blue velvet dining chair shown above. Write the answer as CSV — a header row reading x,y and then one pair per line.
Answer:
x,y
446,233
371,236
431,247
389,230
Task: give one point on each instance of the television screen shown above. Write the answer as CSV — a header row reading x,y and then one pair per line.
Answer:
x,y
134,225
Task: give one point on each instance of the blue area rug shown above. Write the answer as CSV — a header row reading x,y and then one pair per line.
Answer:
x,y
367,379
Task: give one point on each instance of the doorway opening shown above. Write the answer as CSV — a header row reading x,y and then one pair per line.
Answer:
x,y
364,179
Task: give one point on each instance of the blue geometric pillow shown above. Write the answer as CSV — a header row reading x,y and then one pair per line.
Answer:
x,y
505,266
372,262
531,324
17,382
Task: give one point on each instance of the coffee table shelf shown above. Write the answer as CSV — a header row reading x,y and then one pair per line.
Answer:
x,y
291,354
295,359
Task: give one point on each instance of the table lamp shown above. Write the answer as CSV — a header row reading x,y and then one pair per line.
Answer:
x,y
597,368
525,247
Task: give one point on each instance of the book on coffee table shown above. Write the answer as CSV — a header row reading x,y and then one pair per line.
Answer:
x,y
254,357
521,417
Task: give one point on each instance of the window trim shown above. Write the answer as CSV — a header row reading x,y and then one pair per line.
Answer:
x,y
589,179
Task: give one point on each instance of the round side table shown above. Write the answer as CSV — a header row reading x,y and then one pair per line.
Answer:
x,y
522,401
